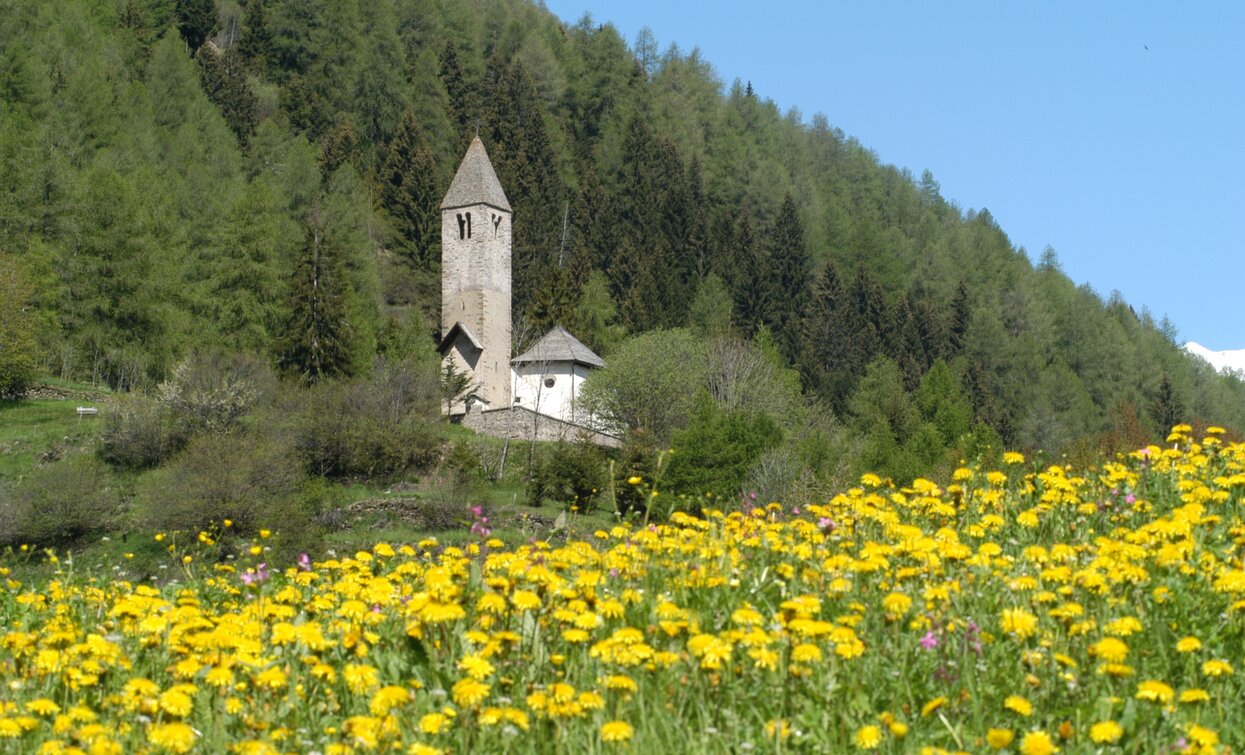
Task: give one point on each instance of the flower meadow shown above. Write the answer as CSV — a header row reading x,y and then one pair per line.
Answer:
x,y
1012,610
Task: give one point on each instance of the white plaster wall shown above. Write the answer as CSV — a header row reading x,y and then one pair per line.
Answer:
x,y
556,401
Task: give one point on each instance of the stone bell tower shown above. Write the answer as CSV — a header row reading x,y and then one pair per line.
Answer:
x,y
475,278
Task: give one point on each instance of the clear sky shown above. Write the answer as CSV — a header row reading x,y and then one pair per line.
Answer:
x,y
1113,132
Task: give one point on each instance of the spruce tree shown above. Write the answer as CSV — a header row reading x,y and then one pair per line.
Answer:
x,y
224,79
196,20
786,278
256,42
409,193
315,342
462,97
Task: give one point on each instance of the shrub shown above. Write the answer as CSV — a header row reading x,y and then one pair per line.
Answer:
x,y
572,474
61,503
379,426
246,477
211,392
139,432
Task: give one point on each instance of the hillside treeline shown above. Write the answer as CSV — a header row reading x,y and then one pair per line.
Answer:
x,y
262,176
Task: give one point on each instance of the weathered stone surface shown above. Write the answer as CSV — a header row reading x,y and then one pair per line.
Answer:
x,y
519,423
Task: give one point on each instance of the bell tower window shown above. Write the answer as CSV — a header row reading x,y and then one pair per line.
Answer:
x,y
464,225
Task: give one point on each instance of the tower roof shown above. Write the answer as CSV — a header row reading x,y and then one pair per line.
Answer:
x,y
559,346
475,182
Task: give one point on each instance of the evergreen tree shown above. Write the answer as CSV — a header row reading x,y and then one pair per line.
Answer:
x,y
786,285
224,79
380,91
464,112
960,314
748,268
315,342
1167,409
710,311
903,342
339,147
18,348
410,195
196,20
256,42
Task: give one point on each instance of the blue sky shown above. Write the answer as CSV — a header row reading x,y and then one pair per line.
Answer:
x,y
1112,131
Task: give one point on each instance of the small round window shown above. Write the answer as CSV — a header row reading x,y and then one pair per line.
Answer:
x,y
549,382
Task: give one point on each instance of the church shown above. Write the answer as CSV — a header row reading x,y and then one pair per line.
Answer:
x,y
531,395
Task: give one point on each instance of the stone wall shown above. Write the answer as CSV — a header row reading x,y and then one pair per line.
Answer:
x,y
520,423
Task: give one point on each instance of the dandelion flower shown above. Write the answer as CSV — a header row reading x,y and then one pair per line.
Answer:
x,y
999,738
1037,743
1017,704
868,737
1106,732
616,731
1155,691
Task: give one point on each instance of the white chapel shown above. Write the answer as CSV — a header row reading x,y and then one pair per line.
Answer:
x,y
532,394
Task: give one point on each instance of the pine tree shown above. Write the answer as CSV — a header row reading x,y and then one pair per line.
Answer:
x,y
960,314
316,339
747,268
1168,409
903,343
519,146
196,20
339,147
786,279
224,80
462,98
256,42
410,183
380,89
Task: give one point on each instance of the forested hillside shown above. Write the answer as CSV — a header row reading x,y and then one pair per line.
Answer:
x,y
262,176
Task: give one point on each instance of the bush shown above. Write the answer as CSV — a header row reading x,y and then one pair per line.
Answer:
x,y
61,503
139,432
379,426
572,474
211,392
249,478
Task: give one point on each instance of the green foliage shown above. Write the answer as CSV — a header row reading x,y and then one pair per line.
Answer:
x,y
650,382
710,311
716,451
243,477
156,170
60,504
18,348
316,343
382,425
572,474
139,432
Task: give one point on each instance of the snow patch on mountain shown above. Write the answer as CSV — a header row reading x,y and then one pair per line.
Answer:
x,y
1232,360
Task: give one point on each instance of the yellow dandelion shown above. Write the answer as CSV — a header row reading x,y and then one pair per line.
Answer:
x,y
1155,691
175,737
616,731
1106,732
1188,645
999,738
868,737
1017,704
1037,743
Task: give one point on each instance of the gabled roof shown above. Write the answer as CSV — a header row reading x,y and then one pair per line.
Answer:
x,y
454,330
475,182
559,346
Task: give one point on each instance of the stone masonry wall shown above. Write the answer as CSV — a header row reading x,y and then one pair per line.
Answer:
x,y
523,424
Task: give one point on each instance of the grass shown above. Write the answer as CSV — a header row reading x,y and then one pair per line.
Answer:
x,y
37,429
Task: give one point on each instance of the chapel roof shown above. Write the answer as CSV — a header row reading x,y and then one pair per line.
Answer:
x,y
559,346
475,182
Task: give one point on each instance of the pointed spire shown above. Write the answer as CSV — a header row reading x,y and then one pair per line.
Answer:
x,y
475,182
